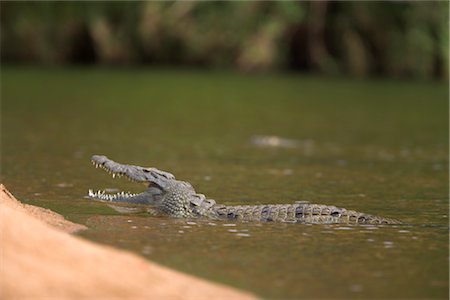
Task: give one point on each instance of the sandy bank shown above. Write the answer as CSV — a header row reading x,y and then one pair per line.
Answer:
x,y
40,260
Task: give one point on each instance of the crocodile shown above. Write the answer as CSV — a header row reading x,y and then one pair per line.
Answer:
x,y
176,198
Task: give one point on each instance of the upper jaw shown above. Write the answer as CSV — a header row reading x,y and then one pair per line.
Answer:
x,y
133,173
158,182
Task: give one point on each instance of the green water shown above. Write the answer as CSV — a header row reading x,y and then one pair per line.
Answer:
x,y
379,146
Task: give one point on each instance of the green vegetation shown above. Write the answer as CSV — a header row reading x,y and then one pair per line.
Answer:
x,y
403,39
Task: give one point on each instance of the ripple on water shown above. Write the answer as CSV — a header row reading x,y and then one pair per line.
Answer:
x,y
371,227
388,244
64,185
356,288
147,250
343,228
378,274
242,234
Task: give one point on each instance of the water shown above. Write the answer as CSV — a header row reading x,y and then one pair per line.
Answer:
x,y
380,147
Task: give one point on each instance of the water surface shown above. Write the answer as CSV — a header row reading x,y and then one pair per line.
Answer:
x,y
380,147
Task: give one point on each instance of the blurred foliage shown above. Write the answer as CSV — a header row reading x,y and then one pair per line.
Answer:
x,y
404,39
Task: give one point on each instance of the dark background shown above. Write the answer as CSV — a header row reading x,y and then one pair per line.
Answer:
x,y
394,39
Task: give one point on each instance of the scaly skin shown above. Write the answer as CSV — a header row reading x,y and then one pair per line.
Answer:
x,y
178,199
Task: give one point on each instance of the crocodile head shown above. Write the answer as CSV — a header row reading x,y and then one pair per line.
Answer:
x,y
156,180
173,197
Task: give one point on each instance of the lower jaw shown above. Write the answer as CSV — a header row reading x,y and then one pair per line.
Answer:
x,y
102,195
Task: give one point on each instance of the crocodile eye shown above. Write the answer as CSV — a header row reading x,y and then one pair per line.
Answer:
x,y
146,171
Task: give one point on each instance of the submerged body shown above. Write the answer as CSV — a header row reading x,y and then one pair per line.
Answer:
x,y
178,199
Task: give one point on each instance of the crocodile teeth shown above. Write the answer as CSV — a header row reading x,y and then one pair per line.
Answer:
x,y
109,197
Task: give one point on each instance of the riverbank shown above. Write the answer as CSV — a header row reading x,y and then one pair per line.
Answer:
x,y
41,260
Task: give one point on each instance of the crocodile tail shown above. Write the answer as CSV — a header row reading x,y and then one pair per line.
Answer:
x,y
322,214
298,213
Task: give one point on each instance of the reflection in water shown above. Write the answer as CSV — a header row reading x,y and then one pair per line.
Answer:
x,y
274,141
